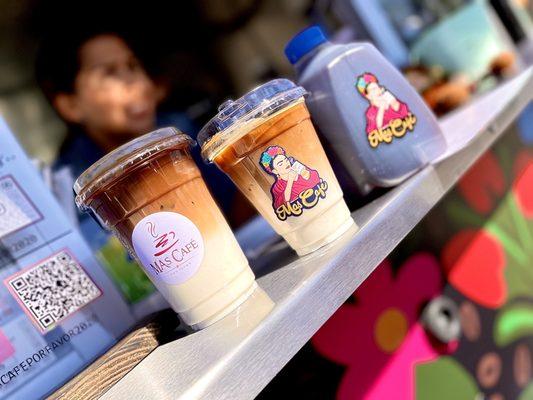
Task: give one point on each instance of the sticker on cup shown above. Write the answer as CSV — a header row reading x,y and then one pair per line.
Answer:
x,y
169,246
296,187
387,117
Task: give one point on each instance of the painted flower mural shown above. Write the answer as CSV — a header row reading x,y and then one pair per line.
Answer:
x,y
378,337
474,262
489,260
523,190
483,184
487,264
476,249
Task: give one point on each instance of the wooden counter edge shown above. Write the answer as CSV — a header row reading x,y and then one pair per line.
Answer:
x,y
108,369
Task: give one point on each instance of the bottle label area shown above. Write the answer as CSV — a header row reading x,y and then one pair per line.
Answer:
x,y
387,117
296,186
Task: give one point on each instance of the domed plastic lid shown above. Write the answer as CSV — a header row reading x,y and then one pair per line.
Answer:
x,y
121,160
238,117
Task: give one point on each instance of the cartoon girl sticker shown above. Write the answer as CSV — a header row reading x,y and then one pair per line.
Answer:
x,y
384,110
296,186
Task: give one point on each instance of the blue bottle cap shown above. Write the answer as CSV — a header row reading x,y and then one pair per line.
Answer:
x,y
304,42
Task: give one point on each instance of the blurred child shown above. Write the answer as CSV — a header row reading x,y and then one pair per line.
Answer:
x,y
99,87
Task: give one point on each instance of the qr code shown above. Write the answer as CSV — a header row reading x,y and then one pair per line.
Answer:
x,y
53,289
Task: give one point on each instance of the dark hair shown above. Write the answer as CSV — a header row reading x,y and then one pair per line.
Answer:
x,y
58,59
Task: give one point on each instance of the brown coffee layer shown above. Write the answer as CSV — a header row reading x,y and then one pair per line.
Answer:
x,y
172,182
143,185
191,199
272,127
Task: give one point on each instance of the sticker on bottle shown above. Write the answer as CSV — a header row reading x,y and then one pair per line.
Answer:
x,y
169,246
296,186
387,117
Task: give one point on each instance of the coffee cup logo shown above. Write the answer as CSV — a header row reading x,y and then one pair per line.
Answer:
x,y
387,117
161,242
296,187
169,246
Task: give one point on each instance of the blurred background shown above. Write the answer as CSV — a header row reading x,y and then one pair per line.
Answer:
x,y
204,51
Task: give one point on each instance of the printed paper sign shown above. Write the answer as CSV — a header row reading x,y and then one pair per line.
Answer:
x,y
24,344
52,290
16,209
6,348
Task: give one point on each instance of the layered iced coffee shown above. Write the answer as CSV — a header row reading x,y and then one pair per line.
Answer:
x,y
150,193
266,143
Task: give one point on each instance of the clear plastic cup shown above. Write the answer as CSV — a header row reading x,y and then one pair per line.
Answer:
x,y
150,194
266,143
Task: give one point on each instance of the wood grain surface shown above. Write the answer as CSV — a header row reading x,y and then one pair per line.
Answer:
x,y
97,378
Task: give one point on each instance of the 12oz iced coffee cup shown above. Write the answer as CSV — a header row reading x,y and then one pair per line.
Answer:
x,y
266,143
151,195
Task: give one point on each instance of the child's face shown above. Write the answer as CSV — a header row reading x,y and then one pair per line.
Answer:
x,y
113,94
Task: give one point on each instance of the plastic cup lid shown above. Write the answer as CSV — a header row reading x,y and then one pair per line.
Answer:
x,y
251,109
123,159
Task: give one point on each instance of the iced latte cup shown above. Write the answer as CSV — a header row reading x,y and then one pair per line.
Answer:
x,y
151,195
266,143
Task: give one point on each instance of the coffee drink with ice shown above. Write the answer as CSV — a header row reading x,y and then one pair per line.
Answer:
x,y
266,143
150,193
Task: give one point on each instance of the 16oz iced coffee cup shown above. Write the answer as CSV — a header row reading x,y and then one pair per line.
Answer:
x,y
266,143
151,195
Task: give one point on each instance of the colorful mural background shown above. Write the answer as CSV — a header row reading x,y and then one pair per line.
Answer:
x,y
475,248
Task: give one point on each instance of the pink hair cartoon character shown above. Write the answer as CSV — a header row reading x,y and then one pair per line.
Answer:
x,y
386,116
292,180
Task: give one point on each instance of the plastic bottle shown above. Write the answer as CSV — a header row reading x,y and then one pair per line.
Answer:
x,y
371,117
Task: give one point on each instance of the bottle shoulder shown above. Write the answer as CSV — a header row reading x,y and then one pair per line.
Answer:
x,y
332,55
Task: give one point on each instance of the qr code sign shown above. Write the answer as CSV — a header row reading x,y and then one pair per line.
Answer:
x,y
53,289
